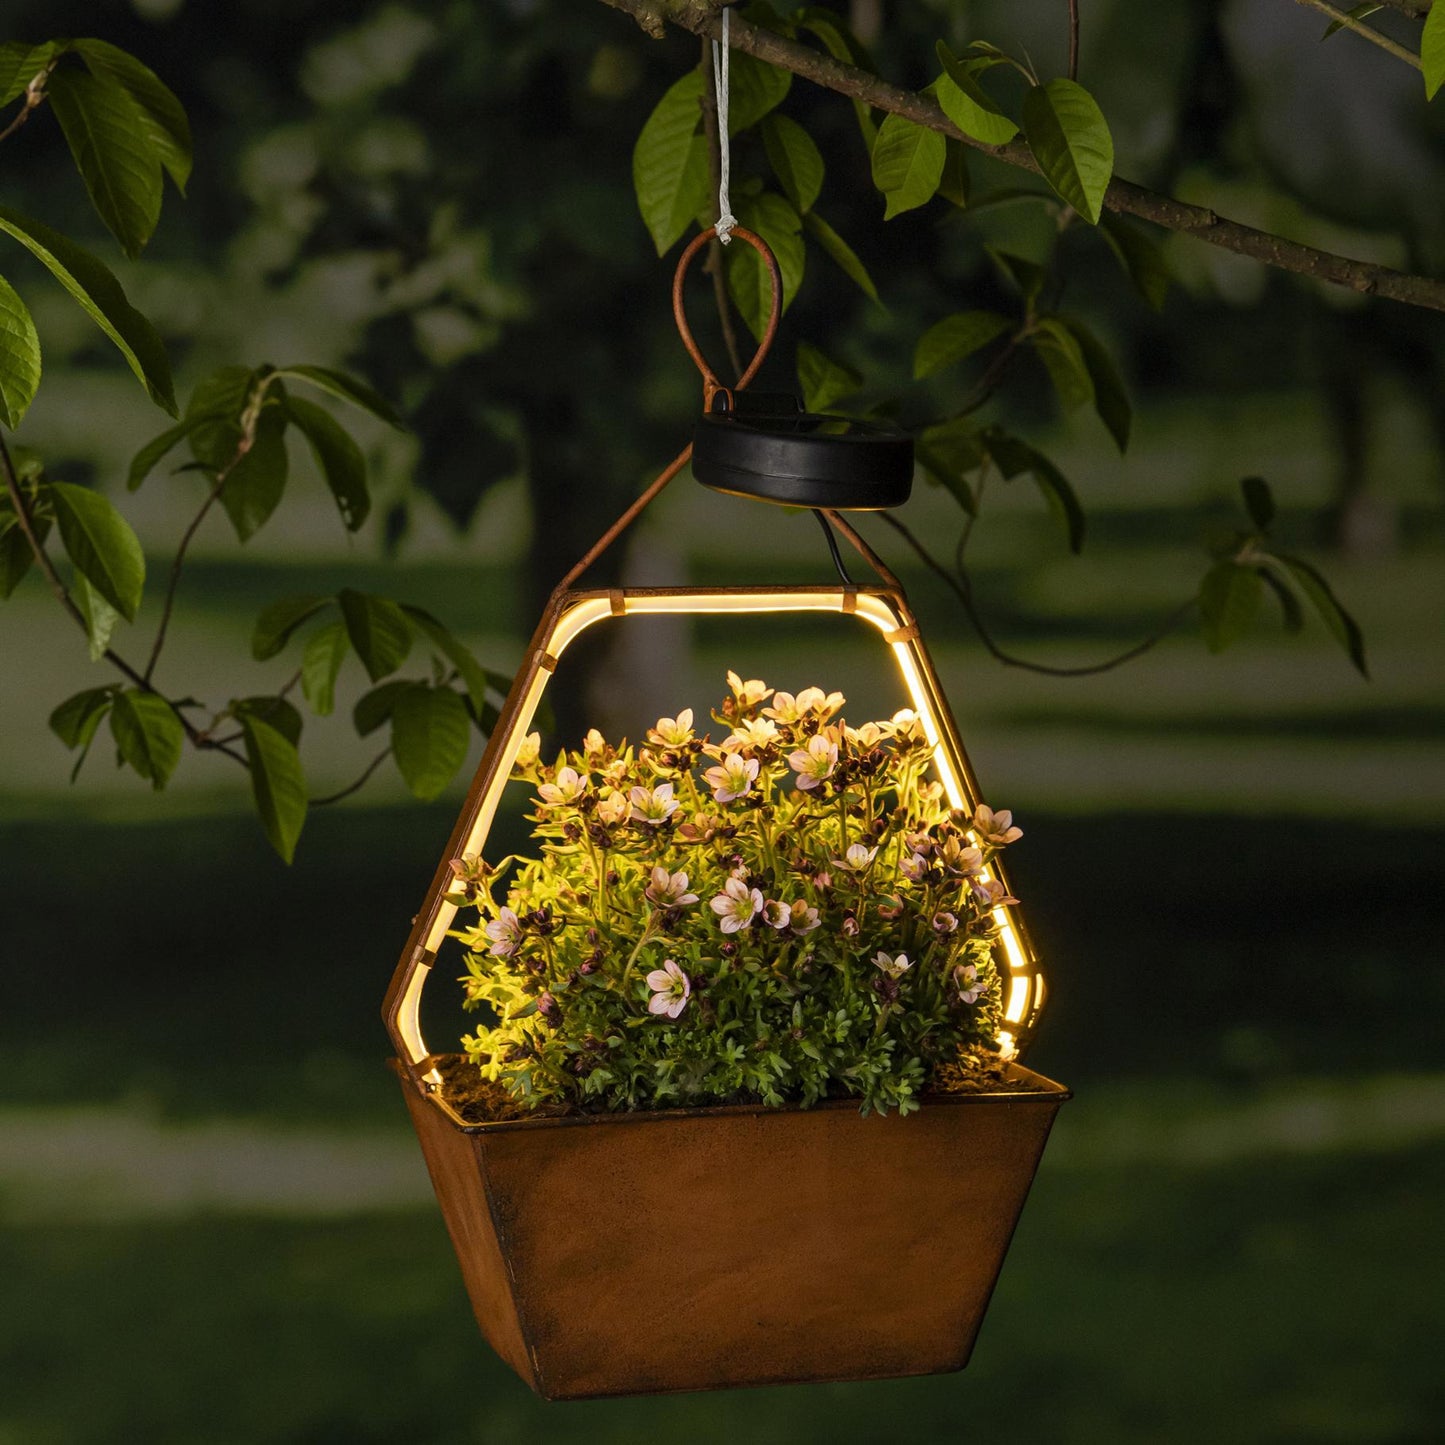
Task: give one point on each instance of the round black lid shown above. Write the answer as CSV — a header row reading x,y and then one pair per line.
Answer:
x,y
769,449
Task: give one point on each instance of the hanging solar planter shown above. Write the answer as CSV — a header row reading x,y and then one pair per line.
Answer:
x,y
671,1185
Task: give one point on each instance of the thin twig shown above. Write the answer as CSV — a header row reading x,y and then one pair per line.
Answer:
x,y
962,588
62,595
700,17
34,99
1348,22
1073,39
715,267
355,787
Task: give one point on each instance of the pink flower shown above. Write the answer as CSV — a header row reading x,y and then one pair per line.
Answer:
x,y
671,989
613,809
672,732
945,922
990,893
913,868
737,905
754,733
732,778
775,914
801,917
505,931
815,762
669,890
748,694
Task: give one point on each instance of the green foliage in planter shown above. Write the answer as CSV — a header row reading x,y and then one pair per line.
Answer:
x,y
790,914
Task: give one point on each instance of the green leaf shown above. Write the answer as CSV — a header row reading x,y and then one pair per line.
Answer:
x,y
74,722
669,163
77,719
255,485
1342,627
1019,271
150,455
1070,139
956,337
947,452
842,253
955,186
430,731
16,558
20,64
795,160
1111,400
378,630
101,298
320,663
105,131
19,357
337,456
775,220
1063,357
278,621
148,734
1140,256
475,678
375,707
273,710
101,544
1432,63
1356,12
100,616
1258,502
277,784
967,104
1013,456
755,88
1228,601
907,164
822,380
163,118
348,388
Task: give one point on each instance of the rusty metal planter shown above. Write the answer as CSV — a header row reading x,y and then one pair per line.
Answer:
x,y
691,1249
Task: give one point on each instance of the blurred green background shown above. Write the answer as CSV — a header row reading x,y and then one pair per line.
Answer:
x,y
216,1224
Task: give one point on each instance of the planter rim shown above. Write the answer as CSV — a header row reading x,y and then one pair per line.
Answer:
x,y
1051,1094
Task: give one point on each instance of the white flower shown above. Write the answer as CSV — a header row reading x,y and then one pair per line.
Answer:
x,y
856,859
613,809
775,914
959,858
756,732
654,805
995,828
750,693
733,777
945,922
815,762
672,732
970,986
895,968
669,890
785,708
815,700
671,989
737,905
867,736
907,726
567,789
529,752
594,745
505,931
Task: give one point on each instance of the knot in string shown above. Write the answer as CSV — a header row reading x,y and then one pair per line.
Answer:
x,y
720,53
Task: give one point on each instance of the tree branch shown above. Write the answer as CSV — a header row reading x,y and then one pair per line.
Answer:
x,y
962,588
1348,22
699,16
1073,39
34,99
355,787
1415,9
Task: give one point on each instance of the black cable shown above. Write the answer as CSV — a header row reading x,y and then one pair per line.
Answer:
x,y
833,547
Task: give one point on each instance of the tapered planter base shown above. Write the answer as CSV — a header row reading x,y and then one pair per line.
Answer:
x,y
695,1249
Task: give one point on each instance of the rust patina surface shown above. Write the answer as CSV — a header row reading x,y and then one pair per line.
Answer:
x,y
698,1249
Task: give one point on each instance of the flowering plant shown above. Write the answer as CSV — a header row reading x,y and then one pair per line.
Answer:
x,y
789,914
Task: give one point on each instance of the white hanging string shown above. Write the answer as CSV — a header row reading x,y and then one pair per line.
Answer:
x,y
725,218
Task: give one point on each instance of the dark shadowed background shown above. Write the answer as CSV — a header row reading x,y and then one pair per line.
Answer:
x,y
216,1223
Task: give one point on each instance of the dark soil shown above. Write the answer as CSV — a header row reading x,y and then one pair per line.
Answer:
x,y
480,1101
